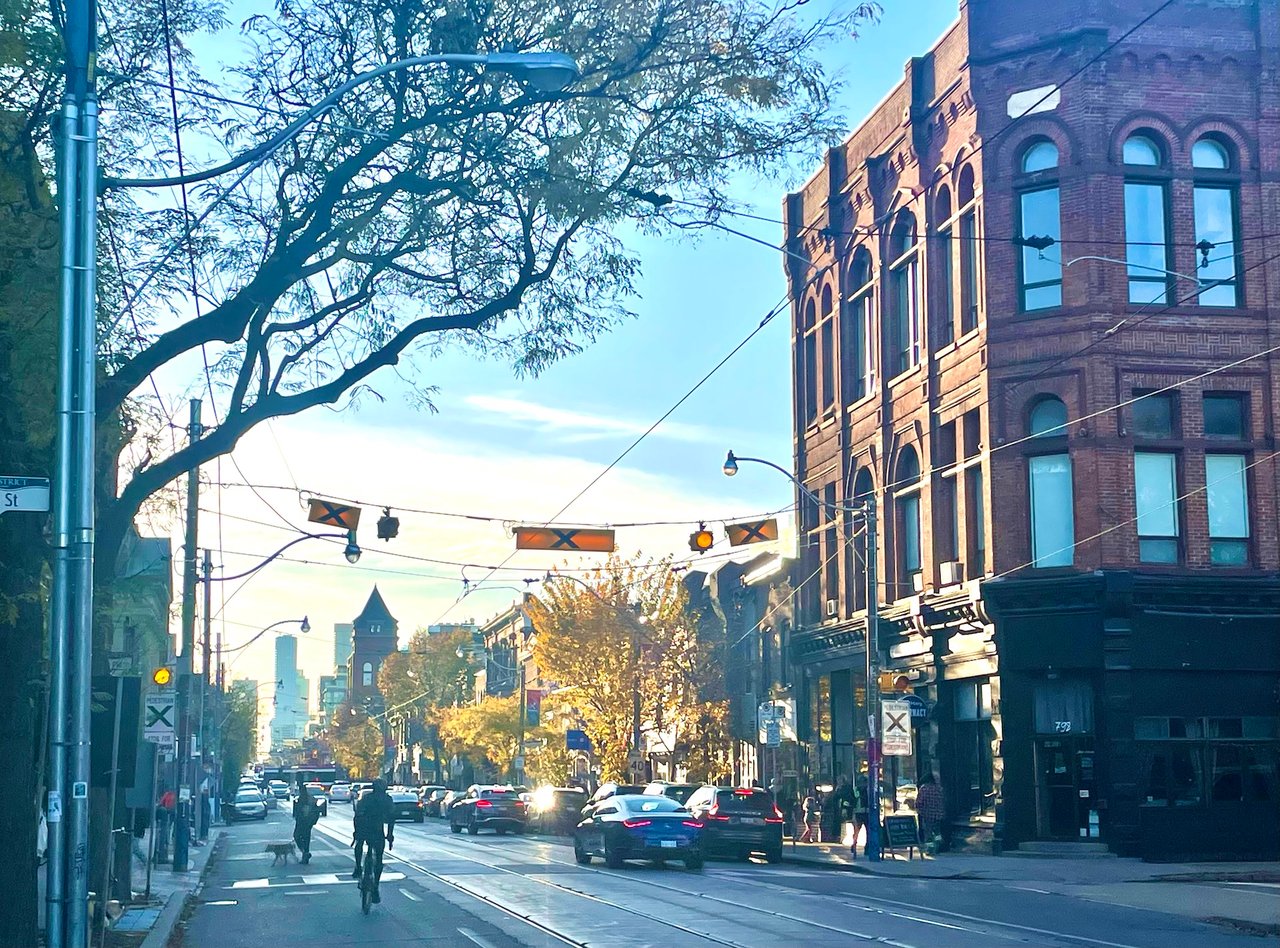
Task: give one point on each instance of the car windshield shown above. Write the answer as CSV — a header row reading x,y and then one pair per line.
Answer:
x,y
497,792
248,796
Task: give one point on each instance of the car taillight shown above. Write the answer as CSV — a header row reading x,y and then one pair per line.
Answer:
x,y
776,818
633,824
714,814
694,823
483,803
520,803
419,804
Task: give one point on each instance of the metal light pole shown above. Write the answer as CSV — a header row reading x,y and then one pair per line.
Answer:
x,y
866,510
182,819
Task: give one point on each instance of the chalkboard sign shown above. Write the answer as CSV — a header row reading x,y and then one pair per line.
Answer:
x,y
902,832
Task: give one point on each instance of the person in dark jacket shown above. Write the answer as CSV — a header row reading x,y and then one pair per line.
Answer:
x,y
373,821
305,816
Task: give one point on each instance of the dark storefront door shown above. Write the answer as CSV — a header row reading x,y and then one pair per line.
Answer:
x,y
1064,787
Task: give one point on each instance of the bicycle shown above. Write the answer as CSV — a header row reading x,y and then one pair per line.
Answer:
x,y
368,882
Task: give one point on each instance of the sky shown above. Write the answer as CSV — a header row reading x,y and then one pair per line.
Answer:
x,y
519,449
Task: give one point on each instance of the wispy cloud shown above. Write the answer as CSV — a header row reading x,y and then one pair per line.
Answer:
x,y
569,426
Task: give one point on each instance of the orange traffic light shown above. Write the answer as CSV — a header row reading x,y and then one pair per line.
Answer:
x,y
701,539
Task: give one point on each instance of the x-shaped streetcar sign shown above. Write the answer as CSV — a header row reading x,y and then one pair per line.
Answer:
x,y
896,722
159,714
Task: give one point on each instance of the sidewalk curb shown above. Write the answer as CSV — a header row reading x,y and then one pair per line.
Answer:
x,y
865,869
164,927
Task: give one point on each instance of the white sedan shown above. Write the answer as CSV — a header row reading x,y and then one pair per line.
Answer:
x,y
340,792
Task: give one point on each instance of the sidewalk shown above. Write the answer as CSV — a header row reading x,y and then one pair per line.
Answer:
x,y
1243,894
149,924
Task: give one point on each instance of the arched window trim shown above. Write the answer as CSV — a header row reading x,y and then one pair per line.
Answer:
x,y
1140,139
908,522
1036,152
1216,218
904,285
857,332
1040,191
366,675
1056,430
827,351
968,252
809,395
1223,147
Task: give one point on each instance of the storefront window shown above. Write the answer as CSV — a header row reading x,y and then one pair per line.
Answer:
x,y
1198,762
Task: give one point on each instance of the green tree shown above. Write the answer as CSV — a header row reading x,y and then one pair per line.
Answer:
x,y
239,731
357,742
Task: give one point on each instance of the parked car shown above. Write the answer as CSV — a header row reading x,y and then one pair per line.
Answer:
x,y
431,803
680,792
407,803
247,805
320,796
639,826
450,797
556,809
488,807
609,789
340,792
425,791
738,821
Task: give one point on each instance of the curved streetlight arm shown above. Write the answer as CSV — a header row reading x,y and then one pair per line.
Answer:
x,y
731,468
1127,263
294,542
545,72
306,626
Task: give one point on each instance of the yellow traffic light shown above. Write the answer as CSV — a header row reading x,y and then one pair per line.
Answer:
x,y
894,681
701,539
162,675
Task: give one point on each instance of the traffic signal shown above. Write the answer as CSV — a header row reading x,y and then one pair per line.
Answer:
x,y
894,681
388,526
162,676
701,539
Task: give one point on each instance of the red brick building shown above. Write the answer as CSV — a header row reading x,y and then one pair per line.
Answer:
x,y
1070,441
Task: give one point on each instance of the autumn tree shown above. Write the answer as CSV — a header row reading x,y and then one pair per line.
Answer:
x,y
618,631
489,728
357,742
239,731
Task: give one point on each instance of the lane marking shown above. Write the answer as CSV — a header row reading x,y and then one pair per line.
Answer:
x,y
475,939
327,878
223,902
409,895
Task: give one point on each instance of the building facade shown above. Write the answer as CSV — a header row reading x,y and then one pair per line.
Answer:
x,y
1037,327
373,639
289,703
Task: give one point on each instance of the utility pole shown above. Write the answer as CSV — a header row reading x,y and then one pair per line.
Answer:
x,y
635,704
523,710
216,792
873,683
182,821
206,681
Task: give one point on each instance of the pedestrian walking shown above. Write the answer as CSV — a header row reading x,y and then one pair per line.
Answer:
x,y
164,822
812,820
305,816
931,807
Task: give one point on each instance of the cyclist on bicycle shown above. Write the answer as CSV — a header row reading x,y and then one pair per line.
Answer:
x,y
375,814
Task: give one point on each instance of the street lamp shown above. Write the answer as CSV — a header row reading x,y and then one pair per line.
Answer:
x,y
866,510
352,550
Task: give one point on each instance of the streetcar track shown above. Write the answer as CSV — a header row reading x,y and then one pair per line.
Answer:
x,y
1013,927
600,900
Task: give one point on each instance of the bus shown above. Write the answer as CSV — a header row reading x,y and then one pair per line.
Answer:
x,y
324,774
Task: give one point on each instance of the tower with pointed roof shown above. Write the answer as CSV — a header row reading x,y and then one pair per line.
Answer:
x,y
373,639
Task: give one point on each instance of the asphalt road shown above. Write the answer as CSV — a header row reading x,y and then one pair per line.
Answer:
x,y
499,891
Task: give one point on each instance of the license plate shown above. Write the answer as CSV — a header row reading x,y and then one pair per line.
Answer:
x,y
751,819
668,844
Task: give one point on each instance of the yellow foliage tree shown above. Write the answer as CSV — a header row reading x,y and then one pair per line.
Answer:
x,y
622,629
357,742
489,729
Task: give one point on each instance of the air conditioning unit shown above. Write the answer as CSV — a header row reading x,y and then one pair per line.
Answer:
x,y
833,608
951,573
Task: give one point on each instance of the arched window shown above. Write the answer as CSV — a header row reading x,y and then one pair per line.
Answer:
x,y
1040,276
810,363
1040,156
1049,488
944,241
1215,212
857,327
863,490
366,675
904,295
827,332
1142,150
967,247
1048,418
906,479
1146,224
1211,155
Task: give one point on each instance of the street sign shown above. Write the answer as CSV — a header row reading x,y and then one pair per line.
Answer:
x,y
23,493
576,740
333,514
756,531
120,667
773,733
780,714
158,717
565,538
895,728
919,710
518,762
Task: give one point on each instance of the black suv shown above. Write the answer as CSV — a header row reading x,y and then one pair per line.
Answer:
x,y
738,821
488,807
680,792
607,790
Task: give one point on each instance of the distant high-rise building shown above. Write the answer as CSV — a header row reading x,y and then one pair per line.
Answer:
x,y
289,721
342,633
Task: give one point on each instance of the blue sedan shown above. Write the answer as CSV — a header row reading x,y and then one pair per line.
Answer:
x,y
632,826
